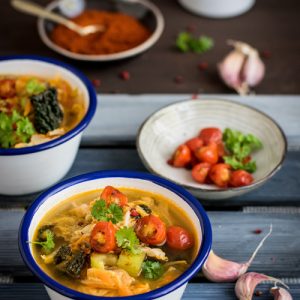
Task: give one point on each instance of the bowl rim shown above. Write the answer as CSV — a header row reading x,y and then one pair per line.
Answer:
x,y
217,190
92,105
203,252
156,34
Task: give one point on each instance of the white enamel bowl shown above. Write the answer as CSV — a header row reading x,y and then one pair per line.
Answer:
x,y
97,180
143,10
171,126
32,169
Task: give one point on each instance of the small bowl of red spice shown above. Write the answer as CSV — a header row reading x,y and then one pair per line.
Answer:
x,y
131,27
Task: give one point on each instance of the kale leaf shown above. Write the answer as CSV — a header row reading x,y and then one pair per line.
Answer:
x,y
47,112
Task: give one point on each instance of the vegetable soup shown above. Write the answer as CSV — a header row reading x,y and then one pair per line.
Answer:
x,y
35,110
114,242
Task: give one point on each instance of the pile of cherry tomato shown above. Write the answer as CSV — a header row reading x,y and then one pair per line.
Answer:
x,y
204,154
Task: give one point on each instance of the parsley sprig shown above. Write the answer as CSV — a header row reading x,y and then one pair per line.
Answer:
x,y
102,212
127,239
48,245
152,269
240,147
186,42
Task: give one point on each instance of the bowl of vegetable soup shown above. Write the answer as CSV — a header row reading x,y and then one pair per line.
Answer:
x,y
118,234
44,107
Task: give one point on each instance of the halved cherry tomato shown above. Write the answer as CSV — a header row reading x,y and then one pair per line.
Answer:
x,y
181,157
220,174
112,195
103,237
210,135
200,172
240,178
208,153
194,143
178,238
151,230
7,88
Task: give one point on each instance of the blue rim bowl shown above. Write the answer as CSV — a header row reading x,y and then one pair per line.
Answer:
x,y
65,291
77,129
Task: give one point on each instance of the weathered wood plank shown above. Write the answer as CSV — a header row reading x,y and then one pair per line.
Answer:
x,y
194,291
232,234
283,189
118,117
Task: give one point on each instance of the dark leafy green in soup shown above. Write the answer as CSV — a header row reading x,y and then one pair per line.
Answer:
x,y
115,242
35,110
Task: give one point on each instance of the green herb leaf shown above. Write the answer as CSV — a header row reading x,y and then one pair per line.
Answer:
x,y
34,87
186,42
48,245
14,129
127,239
101,212
152,269
240,147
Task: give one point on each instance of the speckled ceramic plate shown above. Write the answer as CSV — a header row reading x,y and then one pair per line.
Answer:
x,y
171,126
145,11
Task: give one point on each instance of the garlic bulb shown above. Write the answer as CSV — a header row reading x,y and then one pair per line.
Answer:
x,y
280,294
245,286
217,269
242,68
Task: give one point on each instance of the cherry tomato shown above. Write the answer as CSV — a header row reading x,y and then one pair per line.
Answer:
x,y
103,237
200,172
247,159
7,88
181,157
112,195
210,135
151,230
194,161
221,149
240,178
220,174
208,153
178,238
194,143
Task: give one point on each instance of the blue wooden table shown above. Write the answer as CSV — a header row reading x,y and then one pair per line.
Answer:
x,y
109,143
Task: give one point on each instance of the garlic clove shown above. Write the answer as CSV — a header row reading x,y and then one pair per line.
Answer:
x,y
280,294
217,269
253,70
246,284
230,68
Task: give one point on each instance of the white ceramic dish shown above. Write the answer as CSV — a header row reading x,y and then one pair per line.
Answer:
x,y
217,8
171,126
143,10
32,169
92,181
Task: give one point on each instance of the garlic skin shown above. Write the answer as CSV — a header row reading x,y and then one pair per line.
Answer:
x,y
246,284
242,68
217,269
280,294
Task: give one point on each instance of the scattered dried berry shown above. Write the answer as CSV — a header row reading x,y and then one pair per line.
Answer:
x,y
96,83
178,79
203,66
265,54
257,231
125,75
258,293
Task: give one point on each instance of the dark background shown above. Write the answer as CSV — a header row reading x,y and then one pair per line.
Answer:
x,y
272,26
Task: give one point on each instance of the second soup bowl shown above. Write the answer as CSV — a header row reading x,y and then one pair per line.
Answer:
x,y
118,179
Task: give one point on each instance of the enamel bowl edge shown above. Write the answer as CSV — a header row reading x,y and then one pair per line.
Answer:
x,y
117,178
37,167
156,34
170,126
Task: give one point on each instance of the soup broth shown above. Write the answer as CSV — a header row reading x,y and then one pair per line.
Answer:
x,y
35,110
115,242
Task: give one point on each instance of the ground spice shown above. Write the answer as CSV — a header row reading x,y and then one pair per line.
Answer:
x,y
122,33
